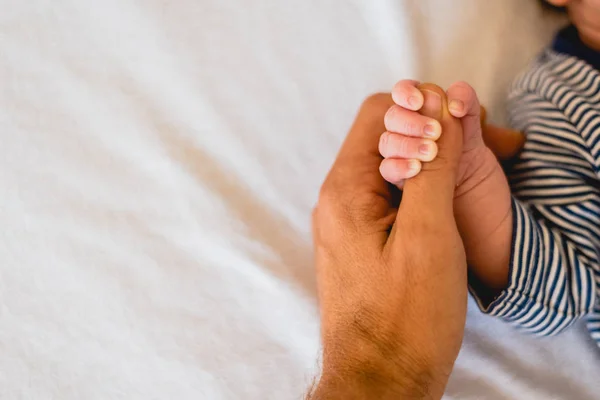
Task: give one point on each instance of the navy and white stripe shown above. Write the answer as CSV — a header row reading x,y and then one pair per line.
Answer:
x,y
555,261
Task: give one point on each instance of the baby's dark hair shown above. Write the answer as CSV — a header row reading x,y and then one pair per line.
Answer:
x,y
552,7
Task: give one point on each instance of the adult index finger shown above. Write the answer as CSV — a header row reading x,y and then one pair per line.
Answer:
x,y
354,186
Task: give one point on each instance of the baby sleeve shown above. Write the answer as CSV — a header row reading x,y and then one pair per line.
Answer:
x,y
554,264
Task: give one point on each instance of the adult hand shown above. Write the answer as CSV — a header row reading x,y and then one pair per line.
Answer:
x,y
392,281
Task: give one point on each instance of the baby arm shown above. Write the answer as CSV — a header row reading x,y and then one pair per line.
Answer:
x,y
541,249
482,202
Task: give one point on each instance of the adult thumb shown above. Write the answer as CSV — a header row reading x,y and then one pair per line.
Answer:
x,y
433,189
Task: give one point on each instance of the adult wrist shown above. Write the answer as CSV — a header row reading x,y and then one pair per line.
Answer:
x,y
372,369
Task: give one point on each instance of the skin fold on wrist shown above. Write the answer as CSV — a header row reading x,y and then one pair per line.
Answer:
x,y
365,368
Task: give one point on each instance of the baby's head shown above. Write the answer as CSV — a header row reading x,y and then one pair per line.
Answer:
x,y
585,15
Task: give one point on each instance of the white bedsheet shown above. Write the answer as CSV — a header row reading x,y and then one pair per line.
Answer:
x,y
158,164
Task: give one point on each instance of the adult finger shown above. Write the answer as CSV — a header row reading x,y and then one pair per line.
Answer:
x,y
354,192
359,152
432,191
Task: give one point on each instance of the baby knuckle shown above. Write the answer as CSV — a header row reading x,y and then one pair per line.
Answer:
x,y
398,88
409,126
403,86
390,117
391,175
404,145
394,175
461,90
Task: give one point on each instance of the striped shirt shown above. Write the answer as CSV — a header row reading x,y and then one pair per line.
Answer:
x,y
555,261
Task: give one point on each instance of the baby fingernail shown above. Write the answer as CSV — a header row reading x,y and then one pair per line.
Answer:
x,y
432,105
414,102
414,166
456,106
431,130
384,138
425,149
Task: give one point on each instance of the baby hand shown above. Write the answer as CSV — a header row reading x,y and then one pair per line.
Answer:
x,y
410,137
482,199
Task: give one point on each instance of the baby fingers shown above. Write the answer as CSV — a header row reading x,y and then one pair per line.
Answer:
x,y
396,171
393,145
406,94
411,123
463,100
